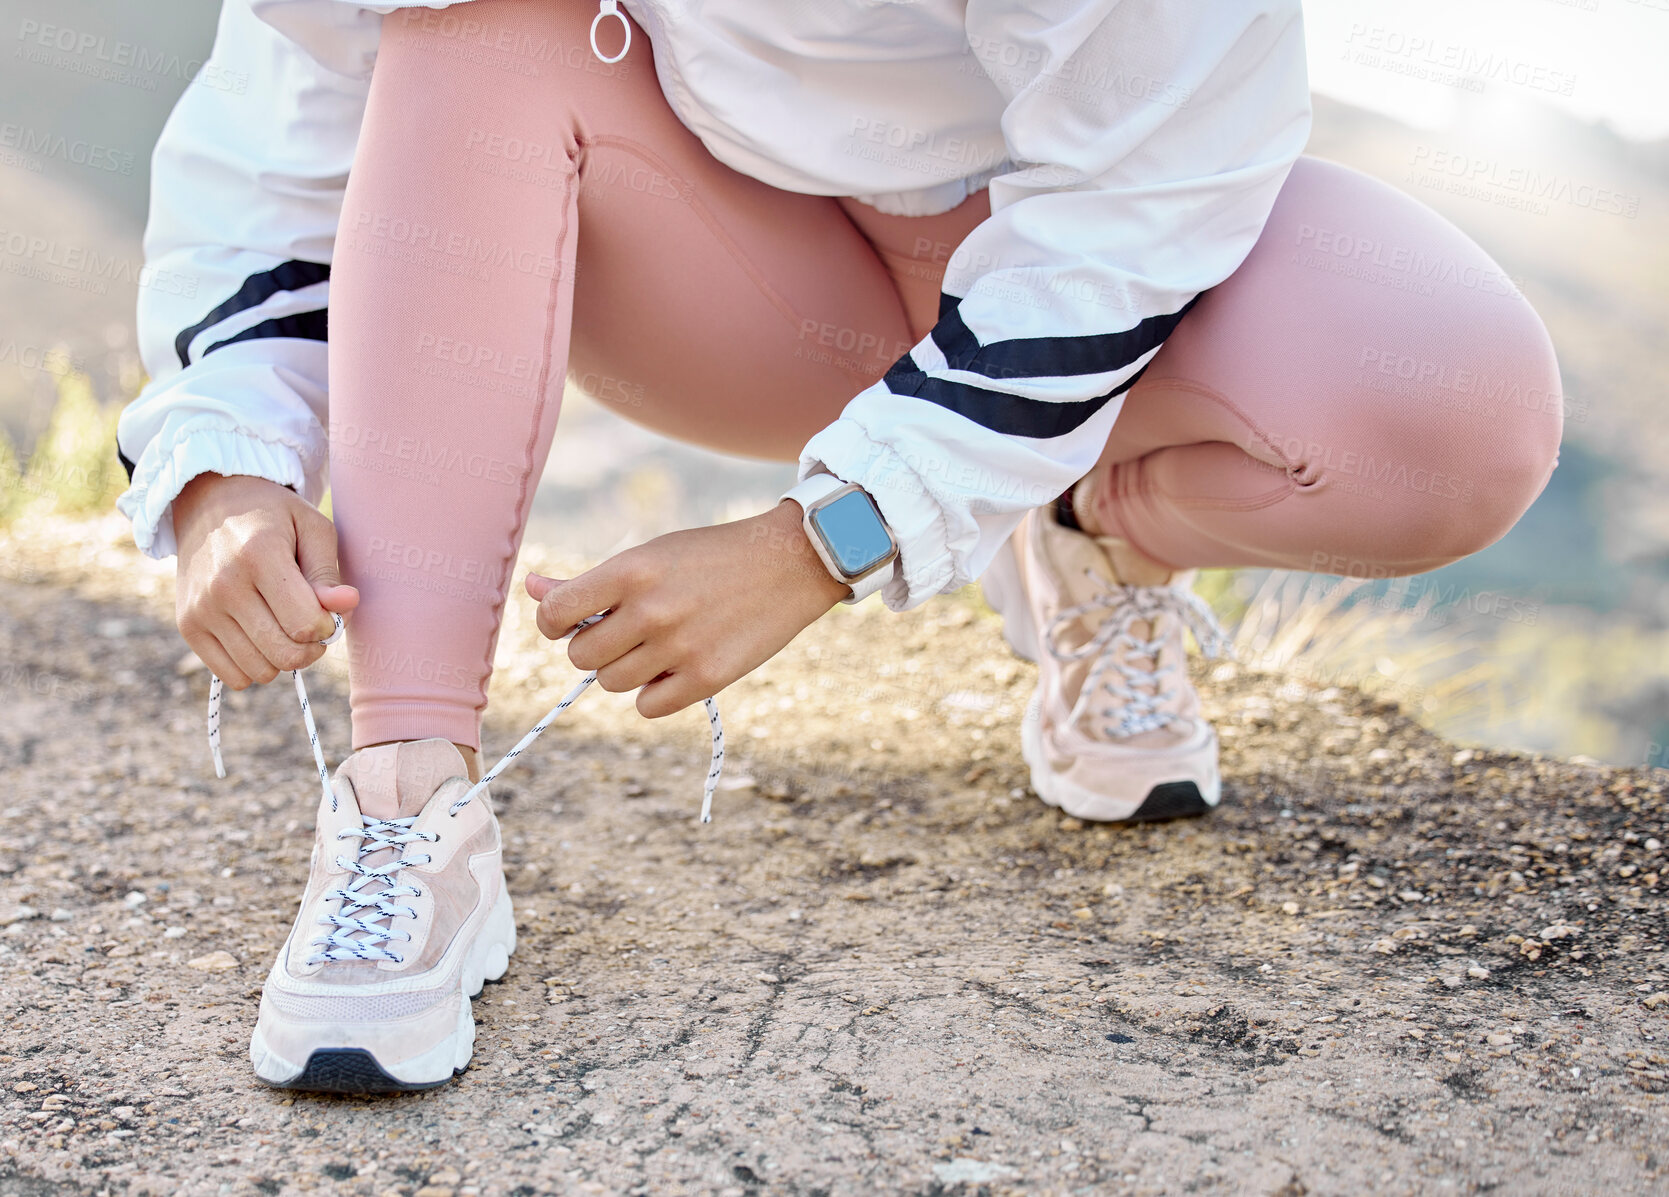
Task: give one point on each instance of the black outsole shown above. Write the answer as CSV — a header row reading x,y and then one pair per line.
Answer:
x,y
1170,800
350,1070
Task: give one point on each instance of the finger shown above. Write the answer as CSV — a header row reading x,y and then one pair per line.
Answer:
x,y
639,667
606,641
256,668
292,604
316,559
538,586
671,693
210,652
263,630
592,593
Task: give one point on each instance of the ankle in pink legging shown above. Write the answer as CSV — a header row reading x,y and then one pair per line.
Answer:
x,y
1368,394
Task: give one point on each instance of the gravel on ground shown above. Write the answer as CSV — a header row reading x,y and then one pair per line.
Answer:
x,y
1385,964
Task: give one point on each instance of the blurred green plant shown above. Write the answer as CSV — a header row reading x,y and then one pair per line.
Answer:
x,y
1559,682
73,467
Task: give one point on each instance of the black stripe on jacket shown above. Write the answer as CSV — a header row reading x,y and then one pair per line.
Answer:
x,y
257,288
1048,357
1027,357
1011,415
306,326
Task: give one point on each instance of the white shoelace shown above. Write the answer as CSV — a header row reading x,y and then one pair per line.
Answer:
x,y
358,938
715,767
1139,691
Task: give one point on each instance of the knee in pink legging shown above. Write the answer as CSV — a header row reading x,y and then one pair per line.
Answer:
x,y
1365,395
1368,395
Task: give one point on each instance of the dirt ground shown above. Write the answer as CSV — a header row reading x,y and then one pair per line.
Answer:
x,y
1384,965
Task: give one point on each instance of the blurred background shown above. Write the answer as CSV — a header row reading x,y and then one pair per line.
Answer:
x,y
1541,127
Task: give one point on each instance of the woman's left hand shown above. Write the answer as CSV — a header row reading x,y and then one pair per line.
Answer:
x,y
692,611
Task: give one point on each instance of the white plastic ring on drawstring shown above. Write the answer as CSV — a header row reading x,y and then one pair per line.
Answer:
x,y
715,767
610,8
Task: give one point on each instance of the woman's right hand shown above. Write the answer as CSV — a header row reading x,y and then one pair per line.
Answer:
x,y
257,578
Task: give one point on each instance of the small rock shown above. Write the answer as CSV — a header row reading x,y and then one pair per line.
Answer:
x,y
446,1176
25,1087
1478,973
214,962
1410,895
768,978
1655,1000
1652,845
1452,982
135,898
174,933
19,914
61,915
1560,931
1289,907
1498,1039
1083,912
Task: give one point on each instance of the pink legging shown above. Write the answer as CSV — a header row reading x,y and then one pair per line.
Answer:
x,y
1366,395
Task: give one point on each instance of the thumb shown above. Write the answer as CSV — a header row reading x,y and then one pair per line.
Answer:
x,y
538,586
316,555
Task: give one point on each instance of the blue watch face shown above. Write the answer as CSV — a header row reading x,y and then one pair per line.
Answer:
x,y
853,532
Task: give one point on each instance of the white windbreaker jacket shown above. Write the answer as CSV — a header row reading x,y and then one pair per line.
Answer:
x,y
1132,148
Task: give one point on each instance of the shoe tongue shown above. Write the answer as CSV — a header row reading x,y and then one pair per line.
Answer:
x,y
396,781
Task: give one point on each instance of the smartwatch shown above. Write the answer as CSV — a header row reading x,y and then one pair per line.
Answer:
x,y
847,532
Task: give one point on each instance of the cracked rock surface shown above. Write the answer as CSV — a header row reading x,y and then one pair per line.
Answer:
x,y
1384,965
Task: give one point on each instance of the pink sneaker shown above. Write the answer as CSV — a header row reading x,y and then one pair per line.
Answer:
x,y
1114,730
404,918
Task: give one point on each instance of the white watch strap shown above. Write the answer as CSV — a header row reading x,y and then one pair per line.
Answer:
x,y
812,487
874,580
816,486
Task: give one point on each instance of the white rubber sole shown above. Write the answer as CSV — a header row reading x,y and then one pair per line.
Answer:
x,y
488,960
1060,792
